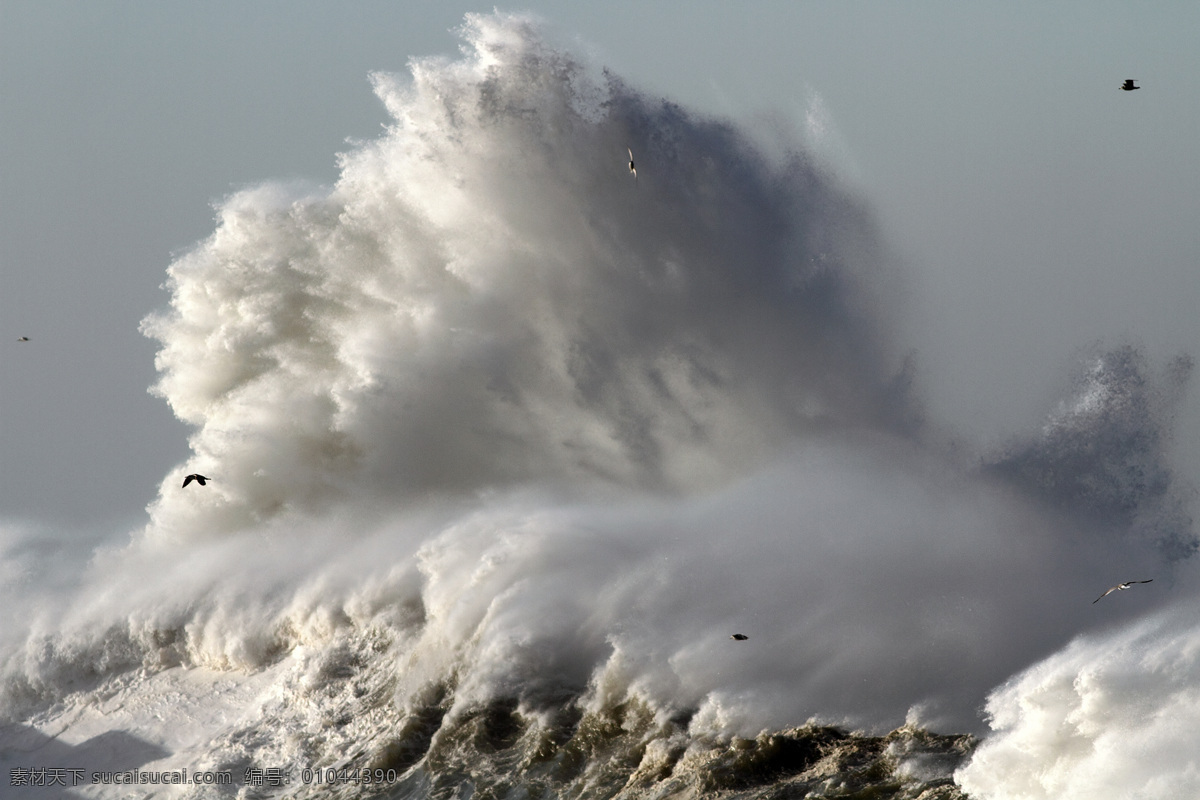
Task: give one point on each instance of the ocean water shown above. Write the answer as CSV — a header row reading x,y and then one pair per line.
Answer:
x,y
505,443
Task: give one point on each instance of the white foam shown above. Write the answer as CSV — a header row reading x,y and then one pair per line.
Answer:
x,y
1109,716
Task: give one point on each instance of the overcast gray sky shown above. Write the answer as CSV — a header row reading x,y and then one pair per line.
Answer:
x,y
1035,208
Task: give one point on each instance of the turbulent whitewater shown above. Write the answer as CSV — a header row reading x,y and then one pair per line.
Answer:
x,y
504,445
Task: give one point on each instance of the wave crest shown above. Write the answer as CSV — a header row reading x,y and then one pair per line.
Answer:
x,y
486,297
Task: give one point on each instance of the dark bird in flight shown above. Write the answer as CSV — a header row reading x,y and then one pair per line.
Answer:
x,y
632,169
1128,85
195,476
22,338
1120,587
741,637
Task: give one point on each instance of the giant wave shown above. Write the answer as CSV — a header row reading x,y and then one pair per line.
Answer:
x,y
504,445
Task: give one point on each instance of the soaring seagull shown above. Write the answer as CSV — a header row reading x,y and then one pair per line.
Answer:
x,y
1120,587
1128,85
22,338
632,169
195,476
741,637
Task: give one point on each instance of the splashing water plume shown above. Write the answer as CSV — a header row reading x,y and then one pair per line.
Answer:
x,y
504,445
482,300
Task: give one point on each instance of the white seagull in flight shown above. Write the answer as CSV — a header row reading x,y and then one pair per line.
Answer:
x,y
632,169
1120,587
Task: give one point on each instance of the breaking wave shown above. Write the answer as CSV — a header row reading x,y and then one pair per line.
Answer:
x,y
505,443
1109,716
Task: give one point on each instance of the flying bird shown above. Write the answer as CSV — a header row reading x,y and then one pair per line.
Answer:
x,y
1120,587
741,637
22,338
195,476
1128,85
632,169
